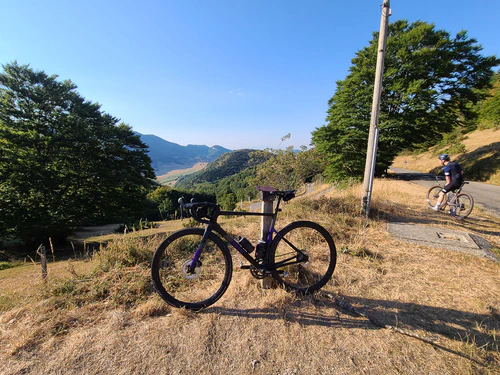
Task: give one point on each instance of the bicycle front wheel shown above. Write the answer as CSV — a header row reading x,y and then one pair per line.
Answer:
x,y
191,290
433,195
464,204
309,273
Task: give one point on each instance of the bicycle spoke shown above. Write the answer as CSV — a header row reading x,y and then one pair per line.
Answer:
x,y
433,196
464,205
316,248
171,273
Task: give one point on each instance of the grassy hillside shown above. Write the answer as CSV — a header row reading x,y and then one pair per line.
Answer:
x,y
100,315
225,165
481,159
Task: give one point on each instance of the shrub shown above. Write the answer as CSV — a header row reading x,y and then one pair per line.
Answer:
x,y
5,265
121,276
191,223
126,252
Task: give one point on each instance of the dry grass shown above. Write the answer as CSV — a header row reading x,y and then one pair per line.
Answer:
x,y
107,320
171,177
482,154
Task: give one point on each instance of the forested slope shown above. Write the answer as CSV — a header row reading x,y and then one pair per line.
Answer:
x,y
226,165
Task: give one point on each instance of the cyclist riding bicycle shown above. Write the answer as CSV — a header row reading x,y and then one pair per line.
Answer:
x,y
454,177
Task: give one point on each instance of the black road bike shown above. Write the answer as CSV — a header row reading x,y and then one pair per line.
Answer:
x,y
192,268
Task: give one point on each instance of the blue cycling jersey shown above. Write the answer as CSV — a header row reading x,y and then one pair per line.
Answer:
x,y
453,170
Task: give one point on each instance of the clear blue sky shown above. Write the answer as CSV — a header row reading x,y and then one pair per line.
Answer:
x,y
237,73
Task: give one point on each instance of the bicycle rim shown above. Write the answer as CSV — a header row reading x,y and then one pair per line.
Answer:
x,y
172,279
464,205
433,195
317,244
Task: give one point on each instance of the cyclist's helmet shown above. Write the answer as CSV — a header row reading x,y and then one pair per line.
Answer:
x,y
444,157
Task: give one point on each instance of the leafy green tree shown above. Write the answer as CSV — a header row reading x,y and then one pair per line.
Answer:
x,y
63,162
227,201
288,169
489,108
430,82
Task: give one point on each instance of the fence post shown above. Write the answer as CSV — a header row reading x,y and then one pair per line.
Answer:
x,y
267,207
43,260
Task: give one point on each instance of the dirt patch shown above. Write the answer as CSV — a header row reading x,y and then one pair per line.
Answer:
x,y
85,233
105,233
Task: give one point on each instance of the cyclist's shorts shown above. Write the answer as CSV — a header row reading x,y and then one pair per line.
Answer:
x,y
454,184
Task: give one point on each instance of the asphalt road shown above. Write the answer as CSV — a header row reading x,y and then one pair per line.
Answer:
x,y
485,196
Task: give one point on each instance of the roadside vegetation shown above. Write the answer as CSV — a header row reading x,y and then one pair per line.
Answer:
x,y
429,93
478,152
99,314
392,307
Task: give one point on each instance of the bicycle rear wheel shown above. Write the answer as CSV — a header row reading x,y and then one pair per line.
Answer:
x,y
172,279
312,273
433,195
464,205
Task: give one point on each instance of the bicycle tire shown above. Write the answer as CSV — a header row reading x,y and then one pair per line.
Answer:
x,y
464,205
317,243
191,291
432,197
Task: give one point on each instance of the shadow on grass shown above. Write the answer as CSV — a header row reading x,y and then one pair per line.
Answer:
x,y
478,330
479,164
470,224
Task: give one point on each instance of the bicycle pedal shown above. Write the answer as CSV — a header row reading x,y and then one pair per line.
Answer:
x,y
245,266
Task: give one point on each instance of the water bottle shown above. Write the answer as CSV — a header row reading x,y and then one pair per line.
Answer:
x,y
244,243
261,247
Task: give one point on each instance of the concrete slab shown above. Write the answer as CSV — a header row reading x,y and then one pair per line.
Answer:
x,y
442,238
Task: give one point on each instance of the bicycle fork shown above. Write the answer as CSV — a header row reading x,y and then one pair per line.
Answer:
x,y
196,258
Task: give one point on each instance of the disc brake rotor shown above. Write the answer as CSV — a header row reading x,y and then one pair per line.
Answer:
x,y
309,259
185,270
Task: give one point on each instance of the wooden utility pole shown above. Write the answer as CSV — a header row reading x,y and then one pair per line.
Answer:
x,y
371,153
267,208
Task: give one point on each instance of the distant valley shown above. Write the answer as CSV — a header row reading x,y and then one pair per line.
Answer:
x,y
170,178
167,156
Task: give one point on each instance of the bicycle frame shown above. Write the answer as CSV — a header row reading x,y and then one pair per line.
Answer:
x,y
213,226
456,191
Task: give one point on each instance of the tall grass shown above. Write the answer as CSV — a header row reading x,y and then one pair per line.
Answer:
x,y
120,276
101,320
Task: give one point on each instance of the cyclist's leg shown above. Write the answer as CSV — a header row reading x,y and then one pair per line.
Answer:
x,y
441,197
433,195
453,186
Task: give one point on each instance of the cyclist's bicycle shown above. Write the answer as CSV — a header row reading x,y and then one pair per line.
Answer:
x,y
460,204
192,268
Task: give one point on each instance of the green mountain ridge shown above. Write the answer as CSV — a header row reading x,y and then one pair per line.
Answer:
x,y
225,165
167,156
